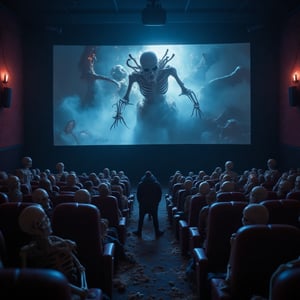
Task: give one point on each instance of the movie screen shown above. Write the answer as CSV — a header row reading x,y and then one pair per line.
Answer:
x,y
151,94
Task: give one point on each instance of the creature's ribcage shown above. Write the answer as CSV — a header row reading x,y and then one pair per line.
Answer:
x,y
149,90
58,259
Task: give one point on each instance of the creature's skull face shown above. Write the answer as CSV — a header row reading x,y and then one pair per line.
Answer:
x,y
149,64
34,221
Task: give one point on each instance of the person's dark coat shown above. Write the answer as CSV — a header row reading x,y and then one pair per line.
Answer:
x,y
149,192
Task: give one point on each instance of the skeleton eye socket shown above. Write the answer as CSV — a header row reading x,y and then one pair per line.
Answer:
x,y
150,70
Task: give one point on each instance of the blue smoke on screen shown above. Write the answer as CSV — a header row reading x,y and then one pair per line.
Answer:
x,y
84,105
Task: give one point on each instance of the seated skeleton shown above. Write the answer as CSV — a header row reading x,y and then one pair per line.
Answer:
x,y
50,251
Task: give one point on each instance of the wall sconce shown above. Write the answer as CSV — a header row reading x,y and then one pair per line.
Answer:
x,y
295,78
5,92
294,92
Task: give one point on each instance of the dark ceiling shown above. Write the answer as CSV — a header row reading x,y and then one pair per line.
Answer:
x,y
94,12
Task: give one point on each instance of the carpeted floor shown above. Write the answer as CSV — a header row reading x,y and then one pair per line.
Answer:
x,y
159,269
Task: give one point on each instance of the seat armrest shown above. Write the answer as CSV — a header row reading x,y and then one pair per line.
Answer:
x,y
219,291
125,212
201,269
109,266
109,249
195,239
122,230
183,236
122,221
95,294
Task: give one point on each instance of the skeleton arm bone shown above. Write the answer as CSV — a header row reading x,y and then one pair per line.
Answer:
x,y
187,92
81,291
121,104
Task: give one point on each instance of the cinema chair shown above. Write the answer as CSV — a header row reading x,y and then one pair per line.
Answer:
x,y
272,195
14,237
257,252
80,222
37,284
284,284
63,197
230,196
224,219
3,198
293,195
283,211
196,203
110,211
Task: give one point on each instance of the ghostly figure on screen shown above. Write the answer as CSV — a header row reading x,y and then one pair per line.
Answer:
x,y
88,73
155,114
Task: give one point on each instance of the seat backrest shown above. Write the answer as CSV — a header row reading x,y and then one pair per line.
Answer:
x,y
14,237
196,203
80,222
257,252
224,219
293,195
27,198
109,208
272,195
285,282
3,197
181,196
63,198
3,250
230,196
283,211
34,284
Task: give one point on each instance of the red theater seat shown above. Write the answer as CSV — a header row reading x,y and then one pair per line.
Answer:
x,y
37,284
80,222
257,252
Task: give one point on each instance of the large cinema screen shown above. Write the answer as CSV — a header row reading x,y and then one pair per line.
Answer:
x,y
151,94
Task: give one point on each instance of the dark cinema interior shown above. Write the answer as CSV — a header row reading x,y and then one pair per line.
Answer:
x,y
239,60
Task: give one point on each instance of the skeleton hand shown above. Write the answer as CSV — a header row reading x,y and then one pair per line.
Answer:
x,y
120,105
192,96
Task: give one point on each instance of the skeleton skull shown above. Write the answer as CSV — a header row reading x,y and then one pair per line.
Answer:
x,y
41,197
34,221
149,64
27,162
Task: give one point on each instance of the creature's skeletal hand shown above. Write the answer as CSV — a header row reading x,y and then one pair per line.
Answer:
x,y
120,106
192,96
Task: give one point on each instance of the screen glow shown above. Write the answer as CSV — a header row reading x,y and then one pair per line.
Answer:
x,y
89,83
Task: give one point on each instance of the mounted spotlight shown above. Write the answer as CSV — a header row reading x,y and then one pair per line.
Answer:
x,y
153,14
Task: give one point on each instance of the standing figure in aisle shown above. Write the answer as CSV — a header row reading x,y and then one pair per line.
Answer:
x,y
148,195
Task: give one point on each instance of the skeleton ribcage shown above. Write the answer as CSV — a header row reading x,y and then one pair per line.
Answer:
x,y
57,259
149,90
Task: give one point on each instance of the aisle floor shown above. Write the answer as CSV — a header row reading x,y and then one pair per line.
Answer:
x,y
159,269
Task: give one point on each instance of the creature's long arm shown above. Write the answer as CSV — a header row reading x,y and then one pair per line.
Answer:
x,y
187,92
121,104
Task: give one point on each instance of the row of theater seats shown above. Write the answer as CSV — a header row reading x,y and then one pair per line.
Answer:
x,y
260,250
75,221
37,284
109,210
